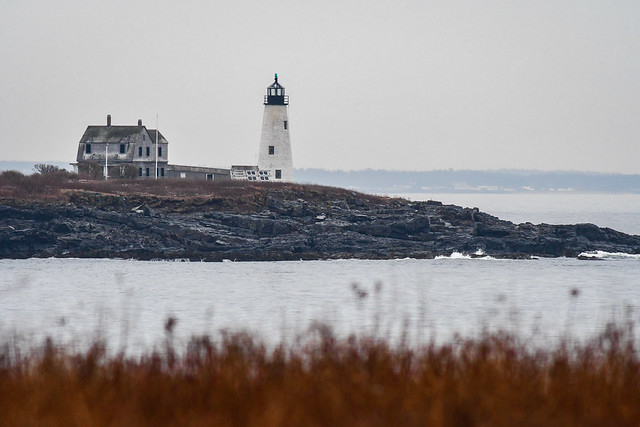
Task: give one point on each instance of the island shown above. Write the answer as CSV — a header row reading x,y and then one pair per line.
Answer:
x,y
44,216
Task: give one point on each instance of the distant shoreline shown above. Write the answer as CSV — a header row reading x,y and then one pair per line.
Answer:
x,y
443,181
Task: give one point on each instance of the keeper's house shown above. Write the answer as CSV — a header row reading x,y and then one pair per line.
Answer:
x,y
110,151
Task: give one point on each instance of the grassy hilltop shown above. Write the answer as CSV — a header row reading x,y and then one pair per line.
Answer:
x,y
173,195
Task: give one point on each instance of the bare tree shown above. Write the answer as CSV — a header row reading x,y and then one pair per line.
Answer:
x,y
44,169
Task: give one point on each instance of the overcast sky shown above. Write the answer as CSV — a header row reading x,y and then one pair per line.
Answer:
x,y
383,84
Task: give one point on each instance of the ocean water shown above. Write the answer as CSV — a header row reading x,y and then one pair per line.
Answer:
x,y
128,302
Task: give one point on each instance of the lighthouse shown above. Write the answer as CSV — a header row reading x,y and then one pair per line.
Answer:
x,y
274,157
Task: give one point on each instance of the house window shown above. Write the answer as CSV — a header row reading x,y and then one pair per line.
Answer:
x,y
272,150
144,137
140,169
159,151
148,151
122,149
183,174
278,174
209,177
285,124
161,171
88,148
147,171
140,153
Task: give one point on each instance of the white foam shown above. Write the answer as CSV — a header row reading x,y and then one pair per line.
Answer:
x,y
479,255
454,255
608,255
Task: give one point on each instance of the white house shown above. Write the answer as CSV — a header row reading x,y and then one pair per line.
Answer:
x,y
117,146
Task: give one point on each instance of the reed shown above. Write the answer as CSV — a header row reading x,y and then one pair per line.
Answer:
x,y
494,380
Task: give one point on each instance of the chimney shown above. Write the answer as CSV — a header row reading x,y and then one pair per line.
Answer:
x,y
108,120
139,122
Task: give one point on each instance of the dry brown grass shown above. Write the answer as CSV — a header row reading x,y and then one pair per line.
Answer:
x,y
172,194
53,186
493,380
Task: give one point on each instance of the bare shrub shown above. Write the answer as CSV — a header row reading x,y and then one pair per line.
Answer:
x,y
43,169
11,177
127,171
40,186
90,170
10,181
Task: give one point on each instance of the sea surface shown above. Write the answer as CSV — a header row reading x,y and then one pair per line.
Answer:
x,y
127,302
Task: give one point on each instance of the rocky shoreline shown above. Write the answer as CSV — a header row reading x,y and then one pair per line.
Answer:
x,y
280,224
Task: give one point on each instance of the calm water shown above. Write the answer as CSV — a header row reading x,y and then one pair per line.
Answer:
x,y
127,302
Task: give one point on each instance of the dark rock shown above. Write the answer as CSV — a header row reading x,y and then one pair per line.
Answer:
x,y
273,203
283,227
420,224
62,227
358,218
148,211
496,230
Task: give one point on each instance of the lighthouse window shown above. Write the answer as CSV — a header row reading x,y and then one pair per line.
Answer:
x,y
278,174
279,92
272,150
285,124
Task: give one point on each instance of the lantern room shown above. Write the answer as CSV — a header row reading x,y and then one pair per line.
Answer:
x,y
275,94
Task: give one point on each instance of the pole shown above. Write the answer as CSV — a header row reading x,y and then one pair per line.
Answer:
x,y
157,132
106,162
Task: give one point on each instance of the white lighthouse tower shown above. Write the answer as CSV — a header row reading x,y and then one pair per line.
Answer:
x,y
274,157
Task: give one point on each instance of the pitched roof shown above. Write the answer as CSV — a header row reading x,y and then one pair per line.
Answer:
x,y
118,134
152,134
275,84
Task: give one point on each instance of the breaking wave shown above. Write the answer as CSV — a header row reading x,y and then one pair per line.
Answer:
x,y
479,254
607,255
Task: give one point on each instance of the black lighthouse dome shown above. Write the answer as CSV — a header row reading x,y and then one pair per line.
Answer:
x,y
275,94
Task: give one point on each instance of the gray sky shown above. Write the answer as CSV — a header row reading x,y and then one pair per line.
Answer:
x,y
390,84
